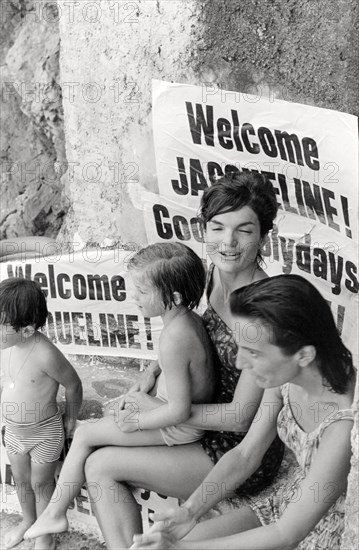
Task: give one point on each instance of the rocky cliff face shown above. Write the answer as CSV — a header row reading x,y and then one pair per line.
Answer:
x,y
32,141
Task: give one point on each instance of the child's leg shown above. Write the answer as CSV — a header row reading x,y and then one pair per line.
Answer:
x,y
88,437
43,484
21,471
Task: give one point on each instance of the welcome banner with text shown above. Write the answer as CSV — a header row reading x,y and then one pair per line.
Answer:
x,y
91,311
311,156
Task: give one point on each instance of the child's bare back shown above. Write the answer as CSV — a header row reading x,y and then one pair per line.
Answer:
x,y
188,332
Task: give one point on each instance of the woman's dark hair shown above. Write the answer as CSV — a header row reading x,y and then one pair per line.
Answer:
x,y
297,315
172,267
22,303
236,191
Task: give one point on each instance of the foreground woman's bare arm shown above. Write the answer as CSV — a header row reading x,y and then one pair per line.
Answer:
x,y
325,482
235,416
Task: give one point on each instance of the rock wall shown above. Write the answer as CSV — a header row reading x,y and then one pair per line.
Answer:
x,y
302,51
32,138
110,52
111,62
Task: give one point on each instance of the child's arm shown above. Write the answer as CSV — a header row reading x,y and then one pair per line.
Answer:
x,y
175,352
59,368
147,379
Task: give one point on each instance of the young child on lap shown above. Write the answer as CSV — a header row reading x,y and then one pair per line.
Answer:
x,y
33,369
169,280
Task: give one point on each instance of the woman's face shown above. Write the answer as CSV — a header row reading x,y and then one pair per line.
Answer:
x,y
233,240
263,359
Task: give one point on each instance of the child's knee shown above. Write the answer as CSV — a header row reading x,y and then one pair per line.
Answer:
x,y
93,466
82,434
43,488
21,478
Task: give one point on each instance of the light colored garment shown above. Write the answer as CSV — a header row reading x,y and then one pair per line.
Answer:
x,y
180,434
327,534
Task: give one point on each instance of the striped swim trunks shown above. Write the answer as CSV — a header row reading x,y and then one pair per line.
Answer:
x,y
43,440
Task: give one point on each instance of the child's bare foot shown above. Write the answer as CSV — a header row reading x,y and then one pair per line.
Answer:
x,y
47,524
46,542
15,535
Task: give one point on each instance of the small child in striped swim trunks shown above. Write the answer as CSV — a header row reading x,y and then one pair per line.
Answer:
x,y
33,370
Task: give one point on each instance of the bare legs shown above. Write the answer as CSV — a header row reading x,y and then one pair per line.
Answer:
x,y
43,484
34,485
21,470
87,437
172,471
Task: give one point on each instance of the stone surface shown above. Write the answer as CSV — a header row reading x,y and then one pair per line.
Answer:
x,y
72,540
32,140
108,119
304,52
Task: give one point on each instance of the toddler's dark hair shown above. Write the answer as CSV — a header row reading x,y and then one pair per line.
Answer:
x,y
172,267
22,303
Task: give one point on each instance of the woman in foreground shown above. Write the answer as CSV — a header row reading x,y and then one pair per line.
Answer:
x,y
289,343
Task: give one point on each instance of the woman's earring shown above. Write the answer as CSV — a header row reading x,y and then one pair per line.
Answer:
x,y
177,298
264,246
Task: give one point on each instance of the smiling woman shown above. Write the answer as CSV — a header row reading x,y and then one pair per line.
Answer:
x,y
237,213
235,238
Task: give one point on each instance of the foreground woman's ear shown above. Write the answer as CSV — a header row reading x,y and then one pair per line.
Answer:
x,y
307,354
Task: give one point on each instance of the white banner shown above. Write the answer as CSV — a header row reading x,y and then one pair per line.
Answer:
x,y
89,301
310,155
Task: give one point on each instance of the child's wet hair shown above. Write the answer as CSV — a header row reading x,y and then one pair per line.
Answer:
x,y
297,315
235,191
170,268
22,303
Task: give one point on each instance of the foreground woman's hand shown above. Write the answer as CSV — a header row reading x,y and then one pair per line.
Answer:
x,y
156,541
177,522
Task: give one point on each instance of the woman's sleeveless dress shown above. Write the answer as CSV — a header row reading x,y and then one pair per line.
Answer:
x,y
216,444
327,534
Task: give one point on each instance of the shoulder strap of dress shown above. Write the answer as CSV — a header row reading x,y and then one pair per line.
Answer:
x,y
343,414
285,392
